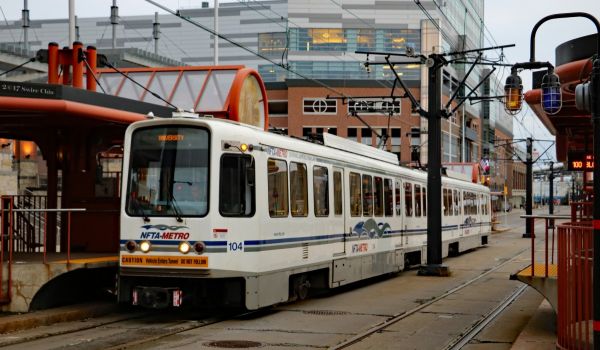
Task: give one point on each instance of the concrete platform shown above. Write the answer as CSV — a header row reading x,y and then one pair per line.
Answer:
x,y
38,285
540,332
544,279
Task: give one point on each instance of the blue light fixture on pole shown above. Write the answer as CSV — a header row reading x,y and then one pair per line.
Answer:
x,y
551,93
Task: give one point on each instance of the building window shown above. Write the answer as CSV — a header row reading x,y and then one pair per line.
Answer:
x,y
278,108
352,134
396,139
365,39
324,39
272,44
319,106
366,136
374,106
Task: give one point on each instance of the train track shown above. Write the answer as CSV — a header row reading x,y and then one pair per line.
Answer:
x,y
461,340
127,338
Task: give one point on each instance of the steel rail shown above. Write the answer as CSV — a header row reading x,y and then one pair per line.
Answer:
x,y
464,339
403,315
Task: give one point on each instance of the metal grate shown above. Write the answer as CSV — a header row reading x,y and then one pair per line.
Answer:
x,y
304,250
325,312
234,344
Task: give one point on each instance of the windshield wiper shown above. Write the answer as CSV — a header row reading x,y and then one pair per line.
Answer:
x,y
175,207
142,211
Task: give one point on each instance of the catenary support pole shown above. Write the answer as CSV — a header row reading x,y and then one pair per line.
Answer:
x,y
434,265
528,186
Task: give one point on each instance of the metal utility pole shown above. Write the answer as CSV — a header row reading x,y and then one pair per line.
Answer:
x,y
551,193
156,32
216,38
71,22
528,186
434,265
25,25
114,21
77,29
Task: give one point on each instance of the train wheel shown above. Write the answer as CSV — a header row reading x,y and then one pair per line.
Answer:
x,y
301,287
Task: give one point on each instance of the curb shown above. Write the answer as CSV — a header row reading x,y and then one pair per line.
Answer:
x,y
13,323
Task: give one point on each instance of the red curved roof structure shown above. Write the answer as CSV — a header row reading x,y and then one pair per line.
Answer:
x,y
571,126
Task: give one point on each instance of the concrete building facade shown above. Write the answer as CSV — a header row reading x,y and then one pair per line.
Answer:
x,y
308,40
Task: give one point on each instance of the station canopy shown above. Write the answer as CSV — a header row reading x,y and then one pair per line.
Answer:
x,y
231,92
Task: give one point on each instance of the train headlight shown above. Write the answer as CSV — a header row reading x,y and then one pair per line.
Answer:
x,y
145,246
130,246
243,147
184,247
199,247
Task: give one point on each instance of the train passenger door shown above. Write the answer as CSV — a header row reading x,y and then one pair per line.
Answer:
x,y
338,209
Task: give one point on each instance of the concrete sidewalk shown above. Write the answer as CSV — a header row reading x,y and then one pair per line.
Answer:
x,y
540,332
12,323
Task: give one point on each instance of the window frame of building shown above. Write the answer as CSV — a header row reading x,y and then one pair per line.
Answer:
x,y
276,43
375,106
330,106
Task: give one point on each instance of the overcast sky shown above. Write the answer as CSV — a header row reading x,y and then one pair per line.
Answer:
x,y
508,21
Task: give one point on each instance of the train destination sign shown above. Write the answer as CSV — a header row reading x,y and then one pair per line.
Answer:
x,y
579,161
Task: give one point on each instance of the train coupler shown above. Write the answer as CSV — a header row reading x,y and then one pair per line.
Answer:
x,y
157,297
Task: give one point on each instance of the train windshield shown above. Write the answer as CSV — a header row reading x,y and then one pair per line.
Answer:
x,y
168,173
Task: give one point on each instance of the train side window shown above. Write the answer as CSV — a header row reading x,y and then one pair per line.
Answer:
x,y
236,185
417,200
388,196
277,188
378,196
424,201
298,189
482,204
355,196
408,199
446,202
456,202
367,189
337,193
321,190
398,198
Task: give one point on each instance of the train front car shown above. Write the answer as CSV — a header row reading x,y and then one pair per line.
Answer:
x,y
171,246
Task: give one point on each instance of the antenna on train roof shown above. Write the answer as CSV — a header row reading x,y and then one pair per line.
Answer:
x,y
180,113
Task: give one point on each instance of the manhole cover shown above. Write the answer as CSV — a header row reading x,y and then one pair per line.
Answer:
x,y
234,344
325,312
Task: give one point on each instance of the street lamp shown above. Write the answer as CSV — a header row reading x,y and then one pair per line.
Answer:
x,y
513,93
551,93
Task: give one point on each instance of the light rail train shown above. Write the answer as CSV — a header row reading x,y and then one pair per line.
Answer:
x,y
214,211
